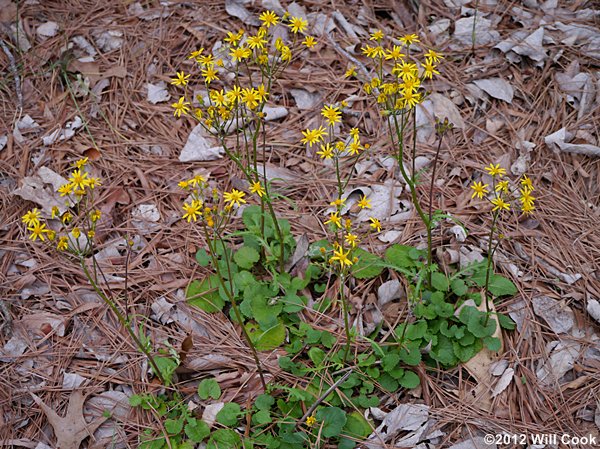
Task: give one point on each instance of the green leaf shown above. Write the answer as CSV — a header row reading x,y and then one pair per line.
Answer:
x,y
196,430
167,367
388,383
251,217
205,294
228,415
202,257
174,426
264,402
368,265
333,420
492,343
505,322
262,417
416,330
410,354
224,439
410,380
135,400
390,361
153,444
443,351
466,353
439,281
500,286
357,426
317,355
401,256
459,287
269,339
328,339
246,257
209,388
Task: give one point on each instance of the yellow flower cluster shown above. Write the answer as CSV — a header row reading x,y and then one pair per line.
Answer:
x,y
502,191
397,85
79,186
250,59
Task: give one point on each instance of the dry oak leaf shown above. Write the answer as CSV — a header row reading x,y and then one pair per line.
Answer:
x,y
71,429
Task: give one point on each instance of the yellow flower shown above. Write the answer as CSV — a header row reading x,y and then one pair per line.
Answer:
x,y
91,234
95,215
326,151
332,114
197,180
235,94
262,93
410,98
63,243
80,163
364,203
55,211
256,41
480,190
67,217
351,239
238,54
502,186
335,219
526,183
375,224
495,170
234,38
181,107
93,182
409,39
354,148
337,202
234,197
429,69
32,217
269,18
257,188
341,257
527,208
309,41
297,24
76,232
395,53
192,210
376,36
183,184
354,134
250,97
526,197
500,204
79,179
312,136
196,54
311,421
434,56
351,71
206,60
209,73
38,230
218,97
406,70
181,79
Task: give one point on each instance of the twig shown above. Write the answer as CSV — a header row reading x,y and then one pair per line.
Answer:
x,y
15,72
312,408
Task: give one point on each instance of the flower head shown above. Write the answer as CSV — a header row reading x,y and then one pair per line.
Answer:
x,y
32,217
257,188
181,79
192,210
376,36
80,163
479,189
209,73
332,114
433,55
351,239
375,224
234,197
312,136
409,39
79,179
181,107
500,204
309,41
364,203
269,18
335,219
495,170
311,421
526,183
341,257
326,151
297,24
38,230
63,243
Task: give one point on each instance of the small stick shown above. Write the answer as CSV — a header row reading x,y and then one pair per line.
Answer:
x,y
312,408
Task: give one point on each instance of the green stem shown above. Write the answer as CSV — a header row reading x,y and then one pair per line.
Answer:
x,y
345,311
429,228
124,322
229,292
490,255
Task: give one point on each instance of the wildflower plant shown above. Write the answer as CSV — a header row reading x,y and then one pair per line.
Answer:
x,y
71,230
238,83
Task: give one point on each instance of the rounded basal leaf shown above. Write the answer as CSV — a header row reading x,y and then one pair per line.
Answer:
x,y
410,380
356,426
202,257
459,287
500,286
246,257
264,402
228,415
332,419
174,426
402,256
205,294
261,417
492,343
224,439
439,281
268,339
209,388
390,361
505,322
196,430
